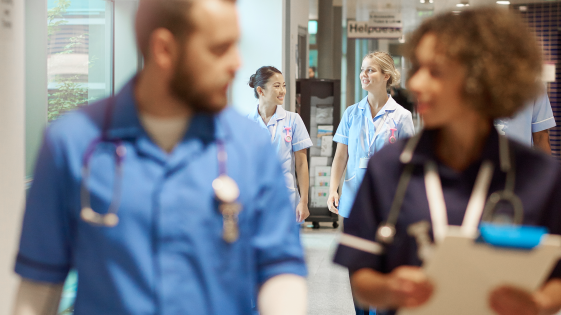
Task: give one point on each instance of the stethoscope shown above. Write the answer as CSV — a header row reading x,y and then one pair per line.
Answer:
x,y
477,209
110,219
225,188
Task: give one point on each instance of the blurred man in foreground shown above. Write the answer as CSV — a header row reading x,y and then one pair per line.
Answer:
x,y
163,200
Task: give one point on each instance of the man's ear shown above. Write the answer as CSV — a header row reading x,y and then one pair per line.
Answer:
x,y
164,48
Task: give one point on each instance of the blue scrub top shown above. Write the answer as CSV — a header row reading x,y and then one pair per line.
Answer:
x,y
352,131
166,255
538,181
534,117
285,150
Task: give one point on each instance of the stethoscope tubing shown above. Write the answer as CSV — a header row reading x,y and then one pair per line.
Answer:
x,y
387,230
110,219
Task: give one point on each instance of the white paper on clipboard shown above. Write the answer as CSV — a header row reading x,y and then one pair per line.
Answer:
x,y
464,273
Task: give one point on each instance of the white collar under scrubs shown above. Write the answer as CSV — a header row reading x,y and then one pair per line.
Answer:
x,y
288,135
364,137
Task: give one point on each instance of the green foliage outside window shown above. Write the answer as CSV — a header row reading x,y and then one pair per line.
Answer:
x,y
70,93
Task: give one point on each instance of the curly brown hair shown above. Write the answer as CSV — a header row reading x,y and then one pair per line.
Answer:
x,y
500,54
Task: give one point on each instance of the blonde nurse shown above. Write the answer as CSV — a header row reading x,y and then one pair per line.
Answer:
x,y
288,134
365,128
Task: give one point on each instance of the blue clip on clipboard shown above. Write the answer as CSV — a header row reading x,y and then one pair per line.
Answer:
x,y
464,269
509,236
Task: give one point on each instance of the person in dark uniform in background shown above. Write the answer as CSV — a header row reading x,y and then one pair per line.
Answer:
x,y
400,96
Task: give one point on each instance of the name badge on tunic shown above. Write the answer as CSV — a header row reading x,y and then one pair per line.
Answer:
x,y
363,162
227,191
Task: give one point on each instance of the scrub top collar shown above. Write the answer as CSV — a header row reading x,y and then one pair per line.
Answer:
x,y
425,150
390,106
125,123
280,114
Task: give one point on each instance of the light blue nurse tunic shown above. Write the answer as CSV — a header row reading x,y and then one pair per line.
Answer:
x,y
536,116
282,122
167,254
365,136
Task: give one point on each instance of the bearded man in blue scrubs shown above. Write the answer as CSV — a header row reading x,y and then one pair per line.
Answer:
x,y
125,191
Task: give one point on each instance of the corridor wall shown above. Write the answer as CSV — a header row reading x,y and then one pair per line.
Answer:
x,y
269,38
12,139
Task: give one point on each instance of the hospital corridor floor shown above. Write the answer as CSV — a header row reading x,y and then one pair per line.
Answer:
x,y
329,291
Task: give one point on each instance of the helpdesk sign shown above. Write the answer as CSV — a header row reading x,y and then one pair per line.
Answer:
x,y
380,25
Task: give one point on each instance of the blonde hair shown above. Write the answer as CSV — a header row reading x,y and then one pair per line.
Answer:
x,y
385,61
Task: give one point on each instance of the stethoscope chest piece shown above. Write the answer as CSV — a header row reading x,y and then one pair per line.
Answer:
x,y
109,220
507,197
225,189
385,233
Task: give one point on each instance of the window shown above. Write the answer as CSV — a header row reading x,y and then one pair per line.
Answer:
x,y
79,71
79,53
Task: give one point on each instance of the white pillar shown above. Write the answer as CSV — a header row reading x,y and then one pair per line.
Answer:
x,y
12,139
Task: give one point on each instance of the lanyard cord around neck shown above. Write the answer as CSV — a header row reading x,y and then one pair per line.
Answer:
x,y
476,206
437,205
376,130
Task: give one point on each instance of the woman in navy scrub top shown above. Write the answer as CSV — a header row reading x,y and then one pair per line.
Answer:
x,y
467,70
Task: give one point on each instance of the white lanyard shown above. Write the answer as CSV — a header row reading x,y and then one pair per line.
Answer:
x,y
376,133
437,205
274,131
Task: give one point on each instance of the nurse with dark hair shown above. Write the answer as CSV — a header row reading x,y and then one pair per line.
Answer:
x,y
288,134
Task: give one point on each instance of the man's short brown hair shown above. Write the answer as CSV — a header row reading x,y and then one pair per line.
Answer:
x,y
173,15
501,57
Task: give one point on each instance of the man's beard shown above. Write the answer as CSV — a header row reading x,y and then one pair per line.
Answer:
x,y
183,86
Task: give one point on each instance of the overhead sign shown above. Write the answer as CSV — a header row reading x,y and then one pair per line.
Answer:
x,y
386,19
367,30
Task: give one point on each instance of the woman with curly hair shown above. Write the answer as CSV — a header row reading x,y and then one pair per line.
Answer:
x,y
468,70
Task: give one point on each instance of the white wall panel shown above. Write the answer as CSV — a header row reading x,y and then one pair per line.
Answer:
x,y
126,52
12,139
261,44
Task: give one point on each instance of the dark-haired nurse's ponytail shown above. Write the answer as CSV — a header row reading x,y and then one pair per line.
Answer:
x,y
252,81
261,77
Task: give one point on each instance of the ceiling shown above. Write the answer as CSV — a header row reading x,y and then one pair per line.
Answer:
x,y
359,9
356,8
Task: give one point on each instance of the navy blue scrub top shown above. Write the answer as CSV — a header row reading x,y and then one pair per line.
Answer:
x,y
166,255
538,183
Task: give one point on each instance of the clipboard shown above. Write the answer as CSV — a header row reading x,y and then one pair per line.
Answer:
x,y
465,271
